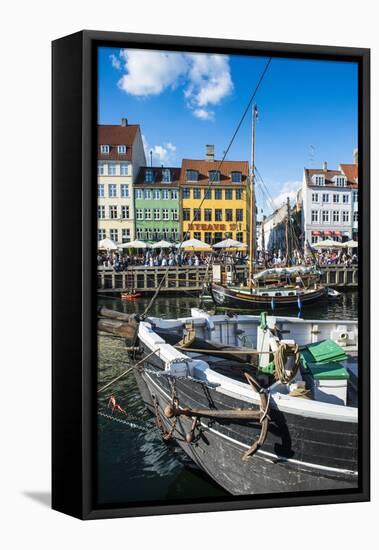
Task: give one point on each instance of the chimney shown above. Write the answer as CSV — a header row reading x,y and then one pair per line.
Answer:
x,y
124,122
210,153
325,166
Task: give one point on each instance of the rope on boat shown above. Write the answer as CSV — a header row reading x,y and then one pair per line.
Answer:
x,y
127,371
281,355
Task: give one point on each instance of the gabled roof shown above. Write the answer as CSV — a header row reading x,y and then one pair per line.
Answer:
x,y
205,166
351,170
113,135
158,173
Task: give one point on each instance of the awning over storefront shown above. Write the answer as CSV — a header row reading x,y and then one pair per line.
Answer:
x,y
316,233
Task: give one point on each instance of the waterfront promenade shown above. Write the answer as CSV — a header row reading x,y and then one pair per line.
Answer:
x,y
192,278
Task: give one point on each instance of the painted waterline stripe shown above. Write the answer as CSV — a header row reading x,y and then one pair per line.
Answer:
x,y
271,455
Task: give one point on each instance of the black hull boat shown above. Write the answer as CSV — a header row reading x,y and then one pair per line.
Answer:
x,y
226,296
252,442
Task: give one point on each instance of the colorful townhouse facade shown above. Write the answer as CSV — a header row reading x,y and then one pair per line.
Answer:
x,y
120,156
215,199
330,203
157,204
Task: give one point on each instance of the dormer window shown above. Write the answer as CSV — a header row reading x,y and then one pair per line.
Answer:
x,y
166,176
236,177
214,175
121,149
104,149
149,176
318,179
192,175
340,181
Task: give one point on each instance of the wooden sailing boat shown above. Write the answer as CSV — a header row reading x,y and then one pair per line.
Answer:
x,y
286,286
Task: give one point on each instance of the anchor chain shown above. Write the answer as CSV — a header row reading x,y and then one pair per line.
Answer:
x,y
167,435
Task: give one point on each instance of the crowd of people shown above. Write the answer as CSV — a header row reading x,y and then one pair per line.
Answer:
x,y
120,262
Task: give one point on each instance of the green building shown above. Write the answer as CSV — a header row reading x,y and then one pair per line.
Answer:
x,y
156,204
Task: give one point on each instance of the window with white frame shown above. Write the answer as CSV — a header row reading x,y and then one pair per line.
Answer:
x,y
121,149
325,197
112,190
100,190
355,196
157,214
166,176
325,216
165,215
147,194
236,177
345,199
165,194
336,198
336,216
314,239
113,233
125,212
345,216
139,234
100,168
101,211
355,216
139,194
191,175
101,234
174,214
147,214
125,235
318,179
112,168
149,176
340,181
104,149
314,216
214,175
124,169
314,197
124,190
157,194
139,214
174,194
113,212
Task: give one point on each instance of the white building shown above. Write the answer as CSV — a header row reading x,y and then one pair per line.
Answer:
x,y
330,203
273,231
120,156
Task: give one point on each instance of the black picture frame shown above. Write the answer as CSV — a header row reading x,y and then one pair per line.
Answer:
x,y
74,89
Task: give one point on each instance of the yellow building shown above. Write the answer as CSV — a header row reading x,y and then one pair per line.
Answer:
x,y
120,156
220,211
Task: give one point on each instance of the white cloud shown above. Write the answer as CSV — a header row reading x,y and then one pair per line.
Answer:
x,y
116,63
288,189
162,154
203,114
206,79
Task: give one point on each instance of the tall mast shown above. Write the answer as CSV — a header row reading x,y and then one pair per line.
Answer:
x,y
288,236
252,199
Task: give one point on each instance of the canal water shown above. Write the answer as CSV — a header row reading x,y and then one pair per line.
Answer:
x,y
134,465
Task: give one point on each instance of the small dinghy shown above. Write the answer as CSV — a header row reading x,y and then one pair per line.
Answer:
x,y
262,404
131,295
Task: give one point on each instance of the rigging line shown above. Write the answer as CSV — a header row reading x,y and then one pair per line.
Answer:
x,y
218,168
236,130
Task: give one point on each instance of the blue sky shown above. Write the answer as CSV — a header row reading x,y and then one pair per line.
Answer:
x,y
307,109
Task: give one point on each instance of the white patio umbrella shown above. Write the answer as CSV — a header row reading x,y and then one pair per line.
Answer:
x,y
229,243
106,244
328,243
350,244
195,243
162,244
135,244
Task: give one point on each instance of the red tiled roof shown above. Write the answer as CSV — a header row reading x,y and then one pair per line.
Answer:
x,y
205,166
350,171
330,174
175,174
113,135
